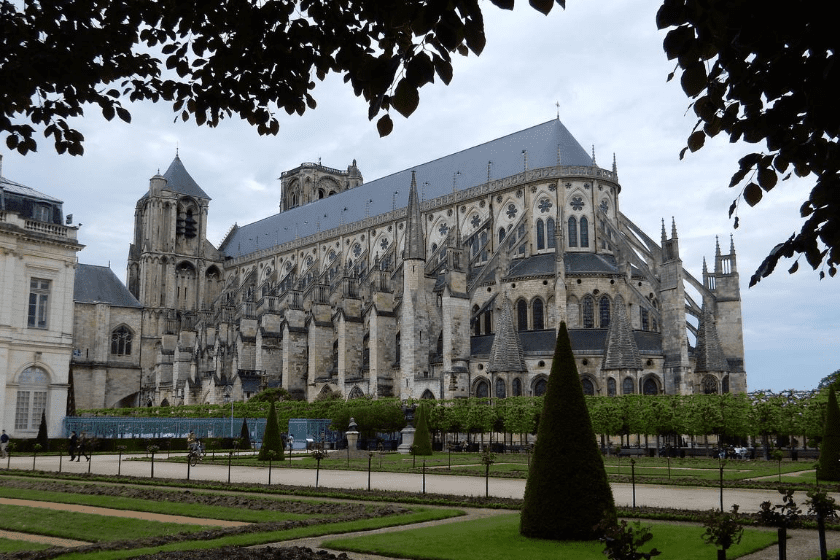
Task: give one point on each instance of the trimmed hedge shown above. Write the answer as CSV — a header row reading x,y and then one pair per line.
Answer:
x,y
829,463
567,494
422,437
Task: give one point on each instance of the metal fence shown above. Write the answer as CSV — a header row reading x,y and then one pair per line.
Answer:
x,y
116,427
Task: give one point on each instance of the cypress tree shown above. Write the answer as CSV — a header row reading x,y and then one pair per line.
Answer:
x,y
271,439
567,493
42,438
422,437
245,435
829,463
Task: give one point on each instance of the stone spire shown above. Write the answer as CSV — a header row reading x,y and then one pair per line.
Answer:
x,y
664,236
415,245
506,354
709,353
621,351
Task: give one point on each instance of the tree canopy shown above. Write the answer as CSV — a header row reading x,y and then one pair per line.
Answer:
x,y
214,59
766,73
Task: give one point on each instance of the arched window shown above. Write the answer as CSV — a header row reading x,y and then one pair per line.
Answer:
x,y
611,387
121,341
355,393
604,312
588,313
500,388
572,232
428,395
440,344
650,387
484,245
549,229
540,387
488,322
501,234
724,385
584,232
31,401
396,346
627,386
710,385
522,315
540,235
588,387
645,320
537,310
516,387
482,390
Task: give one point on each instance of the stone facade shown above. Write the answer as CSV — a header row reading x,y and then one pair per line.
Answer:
x,y
396,287
37,268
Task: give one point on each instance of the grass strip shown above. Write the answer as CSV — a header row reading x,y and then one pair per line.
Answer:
x,y
164,507
419,515
11,545
84,526
498,538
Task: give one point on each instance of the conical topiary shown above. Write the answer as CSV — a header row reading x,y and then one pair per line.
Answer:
x,y
829,463
567,493
271,439
43,438
422,437
245,435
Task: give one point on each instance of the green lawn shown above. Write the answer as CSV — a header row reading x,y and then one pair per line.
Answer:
x,y
516,465
498,538
84,526
8,545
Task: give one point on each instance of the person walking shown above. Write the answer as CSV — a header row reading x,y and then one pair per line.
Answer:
x,y
82,448
71,446
4,444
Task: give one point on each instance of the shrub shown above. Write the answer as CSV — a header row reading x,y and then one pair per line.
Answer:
x,y
567,494
272,441
829,463
245,435
422,437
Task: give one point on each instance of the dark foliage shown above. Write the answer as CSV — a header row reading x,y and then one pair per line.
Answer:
x,y
422,436
271,395
829,463
272,440
214,59
245,435
43,438
766,73
622,542
567,494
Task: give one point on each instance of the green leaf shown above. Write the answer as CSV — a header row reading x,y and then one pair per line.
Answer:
x,y
384,125
752,194
694,79
696,140
503,4
123,114
767,178
542,6
406,98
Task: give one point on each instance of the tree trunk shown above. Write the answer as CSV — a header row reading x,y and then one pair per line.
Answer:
x,y
782,533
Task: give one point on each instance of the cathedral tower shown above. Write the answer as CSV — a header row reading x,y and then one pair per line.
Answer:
x,y
672,299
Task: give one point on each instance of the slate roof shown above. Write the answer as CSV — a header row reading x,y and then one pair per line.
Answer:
x,y
506,353
621,351
545,144
584,341
537,265
99,284
11,187
180,181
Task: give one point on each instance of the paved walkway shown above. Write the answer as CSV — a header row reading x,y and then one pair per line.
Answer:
x,y
803,544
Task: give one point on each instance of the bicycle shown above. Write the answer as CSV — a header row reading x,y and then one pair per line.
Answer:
x,y
196,454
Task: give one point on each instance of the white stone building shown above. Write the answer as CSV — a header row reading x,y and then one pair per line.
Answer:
x,y
37,267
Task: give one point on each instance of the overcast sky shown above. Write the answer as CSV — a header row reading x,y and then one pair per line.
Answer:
x,y
601,61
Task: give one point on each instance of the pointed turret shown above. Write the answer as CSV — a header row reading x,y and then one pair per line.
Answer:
x,y
594,163
415,246
615,167
621,351
506,355
709,353
664,236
